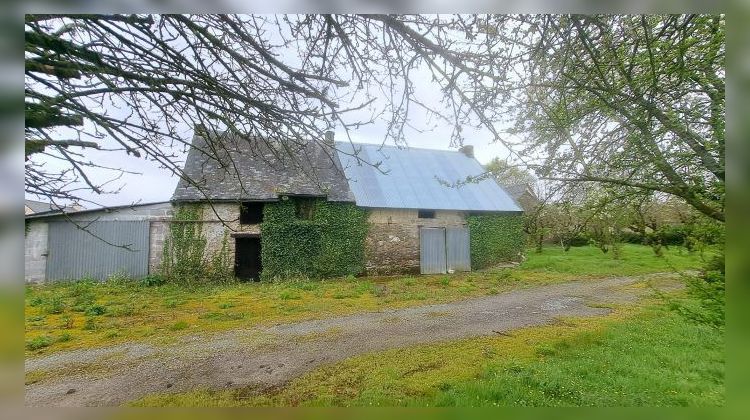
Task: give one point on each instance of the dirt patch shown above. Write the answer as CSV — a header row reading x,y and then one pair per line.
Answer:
x,y
260,359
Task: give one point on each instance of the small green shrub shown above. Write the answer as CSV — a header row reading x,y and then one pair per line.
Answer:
x,y
152,280
64,337
38,342
445,281
631,237
708,293
579,239
53,305
95,310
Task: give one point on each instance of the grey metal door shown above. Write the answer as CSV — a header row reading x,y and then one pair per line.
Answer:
x,y
444,249
432,250
457,249
75,253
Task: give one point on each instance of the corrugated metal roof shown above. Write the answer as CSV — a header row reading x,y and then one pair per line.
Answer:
x,y
412,179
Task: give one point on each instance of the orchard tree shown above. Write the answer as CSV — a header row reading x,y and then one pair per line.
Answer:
x,y
636,101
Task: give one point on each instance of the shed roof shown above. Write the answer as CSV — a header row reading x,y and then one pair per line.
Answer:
x,y
415,178
257,169
34,206
77,212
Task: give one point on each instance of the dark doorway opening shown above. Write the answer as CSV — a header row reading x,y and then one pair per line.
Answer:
x,y
251,212
247,264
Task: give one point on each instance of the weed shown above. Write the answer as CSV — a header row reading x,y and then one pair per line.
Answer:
x,y
178,326
226,305
38,342
95,310
54,305
66,322
445,281
152,280
288,294
172,303
111,334
64,338
90,324
121,310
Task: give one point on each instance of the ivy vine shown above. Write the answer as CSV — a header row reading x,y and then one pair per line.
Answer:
x,y
495,238
330,244
184,258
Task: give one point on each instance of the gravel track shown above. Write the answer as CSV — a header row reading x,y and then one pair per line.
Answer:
x,y
267,357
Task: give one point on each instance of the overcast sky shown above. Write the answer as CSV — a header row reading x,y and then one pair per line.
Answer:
x,y
152,183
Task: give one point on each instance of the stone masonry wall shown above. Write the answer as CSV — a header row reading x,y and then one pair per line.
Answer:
x,y
392,243
35,252
224,219
157,232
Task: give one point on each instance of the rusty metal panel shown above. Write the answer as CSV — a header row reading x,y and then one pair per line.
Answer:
x,y
75,253
457,249
432,250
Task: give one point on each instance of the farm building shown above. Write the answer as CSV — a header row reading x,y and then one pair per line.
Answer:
x,y
319,209
339,208
95,243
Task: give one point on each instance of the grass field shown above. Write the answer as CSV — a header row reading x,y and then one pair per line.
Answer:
x,y
87,314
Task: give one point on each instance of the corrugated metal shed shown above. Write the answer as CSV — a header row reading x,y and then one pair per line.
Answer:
x,y
412,179
75,253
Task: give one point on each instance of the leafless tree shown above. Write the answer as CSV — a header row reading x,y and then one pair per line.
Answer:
x,y
636,101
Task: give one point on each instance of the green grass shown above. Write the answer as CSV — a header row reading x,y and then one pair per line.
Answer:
x,y
88,312
638,356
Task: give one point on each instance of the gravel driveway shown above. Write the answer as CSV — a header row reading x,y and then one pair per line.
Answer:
x,y
270,356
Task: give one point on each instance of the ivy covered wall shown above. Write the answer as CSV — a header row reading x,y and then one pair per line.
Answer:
x,y
495,238
328,244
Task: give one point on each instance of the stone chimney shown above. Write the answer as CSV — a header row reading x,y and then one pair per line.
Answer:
x,y
468,150
329,138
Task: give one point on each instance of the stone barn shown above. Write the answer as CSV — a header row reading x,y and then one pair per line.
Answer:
x,y
324,209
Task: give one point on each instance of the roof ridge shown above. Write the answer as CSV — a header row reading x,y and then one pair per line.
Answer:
x,y
391,146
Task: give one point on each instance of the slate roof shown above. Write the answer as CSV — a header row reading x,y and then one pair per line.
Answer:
x,y
254,169
413,176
